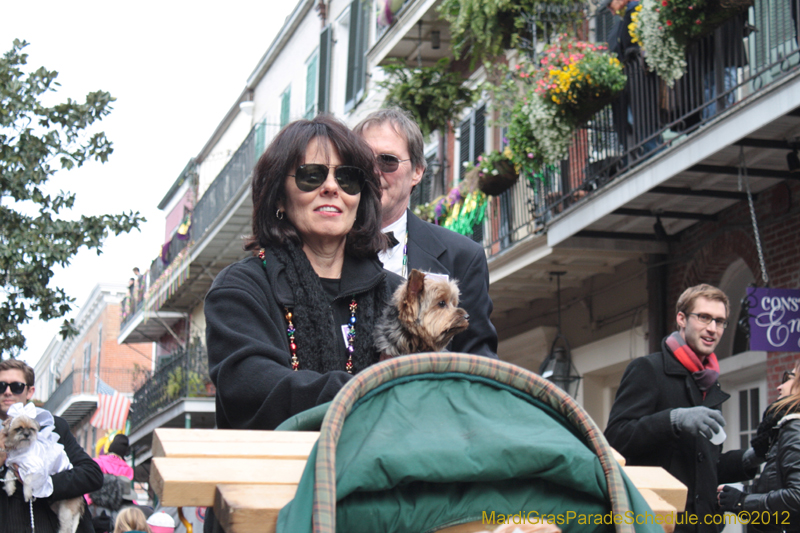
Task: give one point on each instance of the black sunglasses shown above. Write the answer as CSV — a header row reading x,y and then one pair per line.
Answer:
x,y
17,387
310,177
389,163
787,376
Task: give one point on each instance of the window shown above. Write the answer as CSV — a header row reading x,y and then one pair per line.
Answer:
x,y
473,138
357,53
286,99
311,87
424,190
473,143
749,416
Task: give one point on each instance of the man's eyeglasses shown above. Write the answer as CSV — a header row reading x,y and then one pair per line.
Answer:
x,y
17,387
787,376
389,163
310,177
706,320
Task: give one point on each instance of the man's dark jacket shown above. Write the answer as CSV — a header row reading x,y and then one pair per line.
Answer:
x,y
639,428
436,249
85,477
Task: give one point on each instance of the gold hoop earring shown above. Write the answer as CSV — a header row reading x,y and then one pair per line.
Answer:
x,y
279,214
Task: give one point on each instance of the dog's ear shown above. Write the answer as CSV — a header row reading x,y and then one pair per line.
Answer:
x,y
408,305
416,284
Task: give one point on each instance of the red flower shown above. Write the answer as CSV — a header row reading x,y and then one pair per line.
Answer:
x,y
698,21
669,23
664,3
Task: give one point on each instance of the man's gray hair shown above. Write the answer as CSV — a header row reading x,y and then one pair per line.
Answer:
x,y
403,124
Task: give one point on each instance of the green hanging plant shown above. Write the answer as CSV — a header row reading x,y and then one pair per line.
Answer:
x,y
485,28
433,95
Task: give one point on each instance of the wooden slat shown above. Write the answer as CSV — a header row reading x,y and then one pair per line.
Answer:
x,y
171,442
660,507
618,456
192,482
659,481
251,508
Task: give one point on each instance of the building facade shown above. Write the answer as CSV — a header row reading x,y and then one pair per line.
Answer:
x,y
621,226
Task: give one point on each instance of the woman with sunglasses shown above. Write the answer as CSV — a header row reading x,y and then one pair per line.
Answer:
x,y
287,327
775,497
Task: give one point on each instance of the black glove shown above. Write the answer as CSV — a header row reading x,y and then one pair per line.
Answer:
x,y
697,420
730,499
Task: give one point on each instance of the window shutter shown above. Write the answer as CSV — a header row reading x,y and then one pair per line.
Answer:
x,y
480,132
356,53
261,130
465,142
311,87
323,96
285,101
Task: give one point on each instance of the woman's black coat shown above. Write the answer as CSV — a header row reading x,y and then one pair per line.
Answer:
x,y
777,489
248,348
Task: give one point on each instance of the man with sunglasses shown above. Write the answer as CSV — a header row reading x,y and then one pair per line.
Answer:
x,y
17,386
667,410
397,143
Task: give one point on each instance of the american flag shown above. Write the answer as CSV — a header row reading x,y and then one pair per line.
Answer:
x,y
112,411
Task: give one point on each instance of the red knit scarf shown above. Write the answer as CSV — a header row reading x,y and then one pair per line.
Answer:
x,y
705,373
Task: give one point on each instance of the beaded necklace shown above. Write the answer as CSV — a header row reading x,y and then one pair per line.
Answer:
x,y
290,331
404,272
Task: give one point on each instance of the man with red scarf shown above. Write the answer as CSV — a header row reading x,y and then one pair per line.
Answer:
x,y
667,409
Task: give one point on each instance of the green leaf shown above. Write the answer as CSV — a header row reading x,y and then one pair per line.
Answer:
x,y
33,136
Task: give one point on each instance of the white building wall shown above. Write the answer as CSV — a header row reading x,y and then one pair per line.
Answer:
x,y
223,149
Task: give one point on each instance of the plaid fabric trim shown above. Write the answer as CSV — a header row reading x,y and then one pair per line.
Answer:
x,y
324,519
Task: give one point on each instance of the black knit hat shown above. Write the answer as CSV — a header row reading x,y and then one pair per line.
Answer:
x,y
119,446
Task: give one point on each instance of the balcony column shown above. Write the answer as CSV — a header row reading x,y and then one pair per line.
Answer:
x,y
187,421
656,300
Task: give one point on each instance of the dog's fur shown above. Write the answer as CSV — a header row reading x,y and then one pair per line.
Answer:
x,y
21,432
424,317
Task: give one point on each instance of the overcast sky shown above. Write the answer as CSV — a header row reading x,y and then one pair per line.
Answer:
x,y
175,68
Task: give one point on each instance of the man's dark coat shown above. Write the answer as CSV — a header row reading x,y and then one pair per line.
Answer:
x,y
639,428
436,249
84,477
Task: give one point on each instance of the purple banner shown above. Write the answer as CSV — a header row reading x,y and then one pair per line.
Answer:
x,y
774,319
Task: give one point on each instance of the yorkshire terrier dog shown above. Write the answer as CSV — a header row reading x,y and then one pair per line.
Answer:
x,y
424,317
21,435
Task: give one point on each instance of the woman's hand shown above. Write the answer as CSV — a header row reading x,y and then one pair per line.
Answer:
x,y
730,499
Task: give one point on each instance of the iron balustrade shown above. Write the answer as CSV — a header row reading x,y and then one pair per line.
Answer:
x,y
741,59
60,395
215,200
79,381
182,375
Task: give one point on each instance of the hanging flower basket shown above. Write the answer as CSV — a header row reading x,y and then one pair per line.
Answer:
x,y
495,184
573,81
494,174
664,28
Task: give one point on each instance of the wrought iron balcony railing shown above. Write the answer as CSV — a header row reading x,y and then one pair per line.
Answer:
x,y
743,58
182,375
79,381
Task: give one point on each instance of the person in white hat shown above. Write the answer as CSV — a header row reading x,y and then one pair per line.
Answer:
x,y
161,522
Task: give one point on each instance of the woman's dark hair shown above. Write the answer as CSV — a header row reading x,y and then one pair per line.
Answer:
x,y
284,154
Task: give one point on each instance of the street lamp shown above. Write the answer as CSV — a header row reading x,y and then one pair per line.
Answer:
x,y
558,366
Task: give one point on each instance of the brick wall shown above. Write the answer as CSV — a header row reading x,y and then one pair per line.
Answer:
x,y
707,249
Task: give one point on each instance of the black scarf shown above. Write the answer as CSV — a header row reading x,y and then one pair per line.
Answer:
x,y
316,334
767,429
